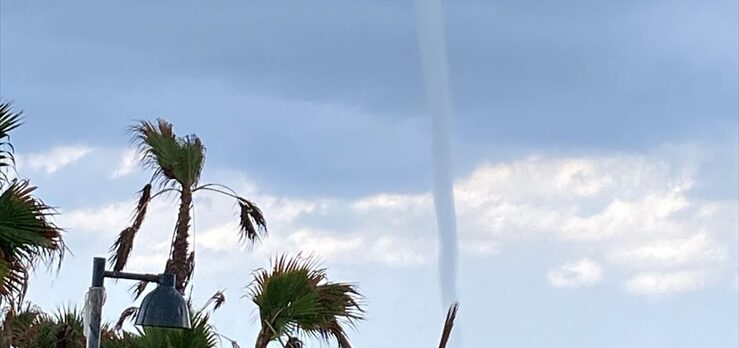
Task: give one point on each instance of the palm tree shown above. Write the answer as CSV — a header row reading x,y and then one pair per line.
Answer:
x,y
177,163
27,234
294,299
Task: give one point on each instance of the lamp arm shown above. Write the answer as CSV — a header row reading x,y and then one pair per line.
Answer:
x,y
154,278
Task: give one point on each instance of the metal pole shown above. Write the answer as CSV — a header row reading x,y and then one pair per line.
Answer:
x,y
95,302
98,272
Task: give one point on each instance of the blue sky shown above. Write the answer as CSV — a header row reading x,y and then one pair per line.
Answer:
x,y
595,150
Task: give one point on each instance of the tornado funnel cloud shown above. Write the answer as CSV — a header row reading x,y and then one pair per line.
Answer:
x,y
430,30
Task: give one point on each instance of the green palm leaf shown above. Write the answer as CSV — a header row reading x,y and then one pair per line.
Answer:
x,y
9,120
295,298
172,158
26,236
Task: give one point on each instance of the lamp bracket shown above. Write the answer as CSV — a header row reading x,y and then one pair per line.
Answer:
x,y
154,278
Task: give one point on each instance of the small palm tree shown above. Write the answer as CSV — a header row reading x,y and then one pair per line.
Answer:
x,y
17,323
28,326
27,234
294,299
177,163
202,335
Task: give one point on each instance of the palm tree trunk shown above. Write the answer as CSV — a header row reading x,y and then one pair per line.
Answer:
x,y
264,337
180,246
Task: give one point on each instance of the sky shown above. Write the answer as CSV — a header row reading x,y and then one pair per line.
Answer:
x,y
595,150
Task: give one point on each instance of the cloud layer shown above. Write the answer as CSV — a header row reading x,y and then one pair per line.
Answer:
x,y
630,215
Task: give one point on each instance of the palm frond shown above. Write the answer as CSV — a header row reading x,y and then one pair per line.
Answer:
x,y
118,339
13,279
217,300
189,267
234,343
121,248
138,289
295,297
9,121
252,224
335,330
448,324
250,216
173,159
202,335
341,308
69,328
61,329
294,342
28,326
127,314
27,236
17,323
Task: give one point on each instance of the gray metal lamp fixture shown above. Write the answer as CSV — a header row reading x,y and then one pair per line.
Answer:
x,y
163,307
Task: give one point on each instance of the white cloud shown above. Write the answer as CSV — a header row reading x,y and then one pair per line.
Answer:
x,y
578,274
398,252
663,283
325,244
392,202
699,248
57,158
127,163
625,194
108,219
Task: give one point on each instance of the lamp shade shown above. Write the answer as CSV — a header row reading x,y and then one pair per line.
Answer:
x,y
164,306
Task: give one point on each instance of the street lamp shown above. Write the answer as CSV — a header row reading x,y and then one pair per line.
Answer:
x,y
163,307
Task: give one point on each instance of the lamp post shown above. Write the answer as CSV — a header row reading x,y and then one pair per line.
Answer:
x,y
163,307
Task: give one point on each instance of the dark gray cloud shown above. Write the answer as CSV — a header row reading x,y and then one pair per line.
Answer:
x,y
606,75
